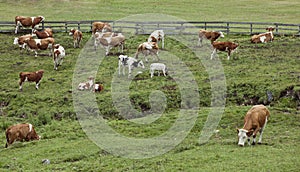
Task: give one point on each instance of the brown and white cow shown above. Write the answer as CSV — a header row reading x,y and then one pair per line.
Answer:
x,y
228,46
101,27
264,37
31,77
20,132
40,44
210,35
21,40
157,36
43,34
98,87
255,121
109,40
28,22
147,48
58,55
77,37
86,85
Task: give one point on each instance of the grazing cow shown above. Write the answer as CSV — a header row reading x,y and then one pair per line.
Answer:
x,y
46,33
31,77
40,44
210,35
98,87
28,22
58,55
20,132
130,62
157,36
264,37
101,27
109,40
230,47
21,41
254,121
147,48
86,85
158,66
77,37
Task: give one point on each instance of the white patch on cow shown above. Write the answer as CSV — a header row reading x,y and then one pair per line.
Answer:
x,y
96,86
26,79
32,19
262,38
221,34
37,41
30,127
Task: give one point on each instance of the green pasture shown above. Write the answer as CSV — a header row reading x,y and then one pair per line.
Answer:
x,y
251,72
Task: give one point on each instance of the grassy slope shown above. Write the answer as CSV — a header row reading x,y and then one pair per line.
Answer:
x,y
69,149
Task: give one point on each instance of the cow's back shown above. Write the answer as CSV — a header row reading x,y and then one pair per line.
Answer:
x,y
257,115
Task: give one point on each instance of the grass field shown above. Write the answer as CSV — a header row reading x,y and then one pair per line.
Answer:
x,y
250,73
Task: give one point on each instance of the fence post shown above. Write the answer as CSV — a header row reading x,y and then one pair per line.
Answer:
x,y
251,28
66,27
205,26
78,25
227,29
43,25
276,28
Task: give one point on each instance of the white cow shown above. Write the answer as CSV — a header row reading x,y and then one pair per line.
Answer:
x,y
158,66
130,62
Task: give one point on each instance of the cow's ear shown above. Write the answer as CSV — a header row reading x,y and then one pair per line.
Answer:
x,y
237,130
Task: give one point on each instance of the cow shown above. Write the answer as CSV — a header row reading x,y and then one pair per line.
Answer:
x,y
101,27
109,40
20,132
228,46
158,66
21,40
31,77
147,48
130,62
43,34
98,87
58,55
210,35
264,37
77,37
28,22
40,44
157,36
255,121
86,85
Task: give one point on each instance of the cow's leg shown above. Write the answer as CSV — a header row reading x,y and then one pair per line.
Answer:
x,y
17,27
37,83
164,72
200,42
20,84
262,131
35,53
163,43
228,55
248,141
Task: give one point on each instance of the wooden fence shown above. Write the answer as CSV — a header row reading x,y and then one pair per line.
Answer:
x,y
176,27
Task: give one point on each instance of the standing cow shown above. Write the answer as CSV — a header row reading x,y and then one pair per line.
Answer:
x,y
20,132
28,22
31,77
77,37
255,121
228,46
58,55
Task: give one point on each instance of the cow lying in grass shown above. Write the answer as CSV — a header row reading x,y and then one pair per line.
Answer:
x,y
130,62
20,132
255,121
31,77
264,37
89,85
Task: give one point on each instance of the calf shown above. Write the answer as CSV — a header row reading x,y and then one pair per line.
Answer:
x,y
264,37
130,62
157,36
77,37
158,66
40,44
86,85
210,35
98,87
20,132
230,47
21,41
254,121
101,27
109,40
46,33
31,77
147,48
28,22
58,55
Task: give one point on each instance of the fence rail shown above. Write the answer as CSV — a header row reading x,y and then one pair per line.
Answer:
x,y
245,28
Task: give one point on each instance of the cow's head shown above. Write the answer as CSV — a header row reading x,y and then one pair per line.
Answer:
x,y
243,135
141,64
42,18
270,28
72,31
221,34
